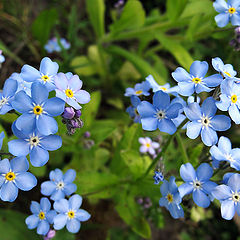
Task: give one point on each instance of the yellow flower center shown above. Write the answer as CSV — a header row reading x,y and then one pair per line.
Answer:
x,y
236,197
41,215
148,145
139,92
163,88
37,110
234,98
227,73
170,198
69,93
10,176
45,78
231,10
71,214
196,80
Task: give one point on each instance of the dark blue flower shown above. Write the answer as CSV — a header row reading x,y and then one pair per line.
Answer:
x,y
60,185
70,214
195,81
132,110
42,216
37,111
197,182
204,121
158,177
171,198
229,196
35,144
159,114
14,176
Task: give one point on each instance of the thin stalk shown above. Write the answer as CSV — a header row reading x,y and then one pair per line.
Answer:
x,y
182,148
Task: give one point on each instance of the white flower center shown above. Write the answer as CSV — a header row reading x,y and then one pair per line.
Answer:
x,y
34,141
60,185
160,114
230,158
205,121
3,101
236,197
197,184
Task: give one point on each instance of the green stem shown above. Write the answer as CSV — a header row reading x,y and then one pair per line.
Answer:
x,y
182,148
163,150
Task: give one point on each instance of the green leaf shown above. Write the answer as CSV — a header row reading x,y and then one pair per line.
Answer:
x,y
130,212
141,65
95,10
195,154
9,117
83,66
64,235
175,8
12,225
176,49
132,17
43,24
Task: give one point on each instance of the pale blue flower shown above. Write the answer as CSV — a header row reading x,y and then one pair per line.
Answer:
x,y
225,69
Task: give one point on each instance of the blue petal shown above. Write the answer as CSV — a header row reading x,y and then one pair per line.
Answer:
x,y
32,221
193,111
163,202
17,132
70,189
61,81
51,142
5,108
164,188
46,125
202,88
54,106
187,172
222,19
173,110
213,80
25,181
209,136
82,96
47,188
8,192
48,67
73,103
5,166
149,124
146,109
38,157
75,202
176,211
235,153
199,69
50,216
172,185
60,221
29,73
57,195
186,88
82,215
19,164
61,206
73,225
201,199
181,75
224,103
204,172
39,93
18,147
208,107
161,100
69,176
166,125
35,207
75,83
217,62
222,192
234,113
56,175
45,204
217,154
193,129
235,19
227,209
185,189
10,87
225,145
22,102
220,6
226,177
234,182
209,186
220,123
43,227
26,122
135,101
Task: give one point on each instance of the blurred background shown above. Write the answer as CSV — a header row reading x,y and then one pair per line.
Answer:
x,y
113,45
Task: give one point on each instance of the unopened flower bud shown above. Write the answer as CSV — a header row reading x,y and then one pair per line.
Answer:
x,y
237,30
87,134
69,113
78,113
51,234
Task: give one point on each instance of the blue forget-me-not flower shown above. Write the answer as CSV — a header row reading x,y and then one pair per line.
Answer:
x,y
132,110
204,121
139,89
225,69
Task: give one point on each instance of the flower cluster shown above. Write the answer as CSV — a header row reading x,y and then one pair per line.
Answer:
x,y
171,111
53,46
66,212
